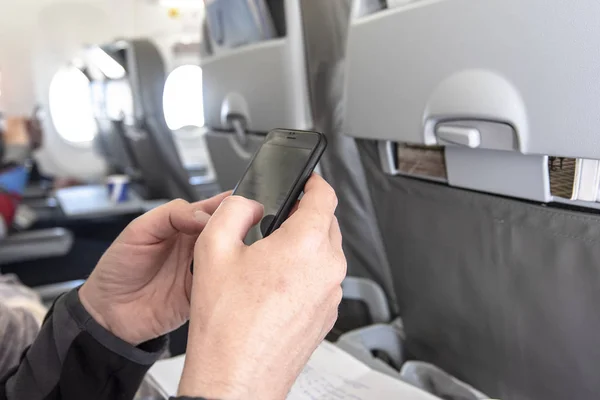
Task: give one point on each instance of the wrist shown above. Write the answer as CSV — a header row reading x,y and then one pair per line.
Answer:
x,y
207,382
98,313
215,369
224,368
225,365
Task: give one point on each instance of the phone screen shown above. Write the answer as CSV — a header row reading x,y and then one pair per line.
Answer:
x,y
271,177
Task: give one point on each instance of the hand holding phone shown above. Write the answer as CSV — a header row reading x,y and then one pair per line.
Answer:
x,y
281,296
277,174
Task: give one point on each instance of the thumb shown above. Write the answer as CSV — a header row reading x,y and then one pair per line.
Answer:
x,y
233,219
163,223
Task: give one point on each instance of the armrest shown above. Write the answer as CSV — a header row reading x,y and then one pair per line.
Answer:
x,y
34,245
361,343
371,294
34,192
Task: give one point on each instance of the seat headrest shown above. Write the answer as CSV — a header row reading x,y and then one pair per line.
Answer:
x,y
146,70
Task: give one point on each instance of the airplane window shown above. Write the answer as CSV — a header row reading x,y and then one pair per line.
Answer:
x,y
71,109
183,103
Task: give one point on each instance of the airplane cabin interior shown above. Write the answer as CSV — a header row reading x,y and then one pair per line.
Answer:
x,y
463,146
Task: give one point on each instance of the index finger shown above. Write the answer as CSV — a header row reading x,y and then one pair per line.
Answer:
x,y
317,205
209,206
162,223
174,217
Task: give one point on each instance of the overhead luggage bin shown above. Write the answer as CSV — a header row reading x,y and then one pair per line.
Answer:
x,y
482,79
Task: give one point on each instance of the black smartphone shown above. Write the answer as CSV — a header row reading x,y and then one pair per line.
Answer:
x,y
277,174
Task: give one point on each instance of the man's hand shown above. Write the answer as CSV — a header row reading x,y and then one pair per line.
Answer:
x,y
140,289
258,312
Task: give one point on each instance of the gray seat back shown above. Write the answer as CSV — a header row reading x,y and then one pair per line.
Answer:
x,y
326,27
110,142
151,140
498,292
254,88
229,157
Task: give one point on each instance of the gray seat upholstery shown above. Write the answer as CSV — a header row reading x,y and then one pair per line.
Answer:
x,y
325,26
498,292
253,89
151,139
35,245
110,141
230,158
112,144
502,293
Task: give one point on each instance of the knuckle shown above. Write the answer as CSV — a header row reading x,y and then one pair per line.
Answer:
x,y
310,244
336,277
177,203
338,295
336,222
342,269
238,203
233,201
330,196
311,237
336,273
332,319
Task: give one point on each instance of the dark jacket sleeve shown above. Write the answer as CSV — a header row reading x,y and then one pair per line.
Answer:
x,y
74,357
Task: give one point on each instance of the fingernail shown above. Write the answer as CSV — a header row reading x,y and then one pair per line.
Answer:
x,y
201,216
